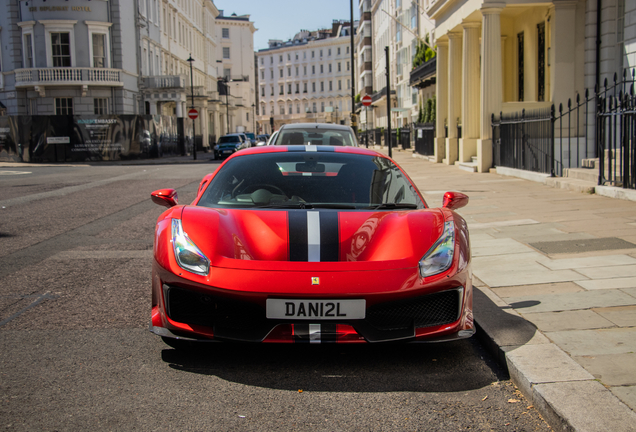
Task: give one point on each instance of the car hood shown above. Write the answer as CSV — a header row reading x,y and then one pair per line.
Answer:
x,y
296,239
229,145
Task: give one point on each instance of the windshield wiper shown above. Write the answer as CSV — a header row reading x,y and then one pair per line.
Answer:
x,y
333,206
393,206
289,205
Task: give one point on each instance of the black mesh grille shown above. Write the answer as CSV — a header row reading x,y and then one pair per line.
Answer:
x,y
191,307
430,310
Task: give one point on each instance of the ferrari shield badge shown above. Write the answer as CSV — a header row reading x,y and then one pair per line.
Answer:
x,y
315,281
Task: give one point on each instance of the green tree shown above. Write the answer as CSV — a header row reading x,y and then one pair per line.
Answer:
x,y
423,53
357,98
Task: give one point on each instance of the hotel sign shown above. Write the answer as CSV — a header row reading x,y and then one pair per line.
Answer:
x,y
60,8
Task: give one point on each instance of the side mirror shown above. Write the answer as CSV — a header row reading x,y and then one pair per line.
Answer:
x,y
455,200
165,197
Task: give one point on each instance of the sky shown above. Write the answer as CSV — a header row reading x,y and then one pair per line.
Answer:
x,y
282,19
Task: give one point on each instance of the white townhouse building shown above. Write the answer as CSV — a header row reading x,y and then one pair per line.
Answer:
x,y
67,57
306,79
235,64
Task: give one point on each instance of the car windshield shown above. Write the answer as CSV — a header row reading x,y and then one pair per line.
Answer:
x,y
229,139
250,136
311,180
315,136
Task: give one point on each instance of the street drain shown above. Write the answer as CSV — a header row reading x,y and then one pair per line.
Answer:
x,y
582,245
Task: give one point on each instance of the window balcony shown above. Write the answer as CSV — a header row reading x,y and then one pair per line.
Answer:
x,y
165,82
67,76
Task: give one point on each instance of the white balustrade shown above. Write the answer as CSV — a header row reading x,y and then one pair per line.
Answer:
x,y
66,75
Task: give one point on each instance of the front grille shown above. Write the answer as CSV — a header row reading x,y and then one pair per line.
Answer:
x,y
425,311
191,307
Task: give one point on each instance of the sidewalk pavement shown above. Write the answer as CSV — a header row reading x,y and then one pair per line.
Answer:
x,y
555,290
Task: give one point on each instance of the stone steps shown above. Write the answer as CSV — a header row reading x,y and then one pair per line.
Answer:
x,y
587,174
468,166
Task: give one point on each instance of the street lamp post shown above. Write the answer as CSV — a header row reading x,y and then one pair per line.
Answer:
x,y
226,87
254,119
194,135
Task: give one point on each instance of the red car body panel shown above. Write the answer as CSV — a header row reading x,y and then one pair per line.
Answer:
x,y
249,253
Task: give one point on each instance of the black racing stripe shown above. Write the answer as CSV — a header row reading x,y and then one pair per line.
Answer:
x,y
301,333
298,249
329,236
328,332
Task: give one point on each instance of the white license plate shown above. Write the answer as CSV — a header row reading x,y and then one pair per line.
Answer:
x,y
315,309
227,151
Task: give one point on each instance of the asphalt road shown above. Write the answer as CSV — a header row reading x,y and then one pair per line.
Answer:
x,y
75,353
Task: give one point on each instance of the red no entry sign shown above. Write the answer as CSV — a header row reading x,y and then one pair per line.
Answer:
x,y
366,101
193,114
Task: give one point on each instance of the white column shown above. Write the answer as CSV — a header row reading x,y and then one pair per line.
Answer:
x,y
454,95
563,52
179,109
470,92
491,82
441,89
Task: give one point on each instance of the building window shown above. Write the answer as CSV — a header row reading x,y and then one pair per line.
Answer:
x,y
63,106
289,87
322,69
262,61
313,87
322,86
262,75
297,88
99,50
61,49
225,32
329,67
520,53
280,72
329,52
262,91
330,85
281,90
227,73
312,54
347,65
288,57
320,53
297,108
280,58
348,84
541,61
272,87
296,56
296,70
304,87
288,71
348,48
271,73
282,110
339,85
28,50
271,60
338,51
290,109
304,70
314,107
100,106
339,67
313,69
226,52
322,107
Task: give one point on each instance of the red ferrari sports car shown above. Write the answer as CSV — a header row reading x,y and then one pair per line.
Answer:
x,y
310,244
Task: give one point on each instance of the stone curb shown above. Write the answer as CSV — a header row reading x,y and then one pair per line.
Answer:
x,y
576,185
566,395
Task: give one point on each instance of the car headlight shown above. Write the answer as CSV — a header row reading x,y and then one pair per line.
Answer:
x,y
216,147
440,256
188,255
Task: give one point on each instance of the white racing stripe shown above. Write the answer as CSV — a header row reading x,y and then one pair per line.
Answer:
x,y
314,333
311,148
313,236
